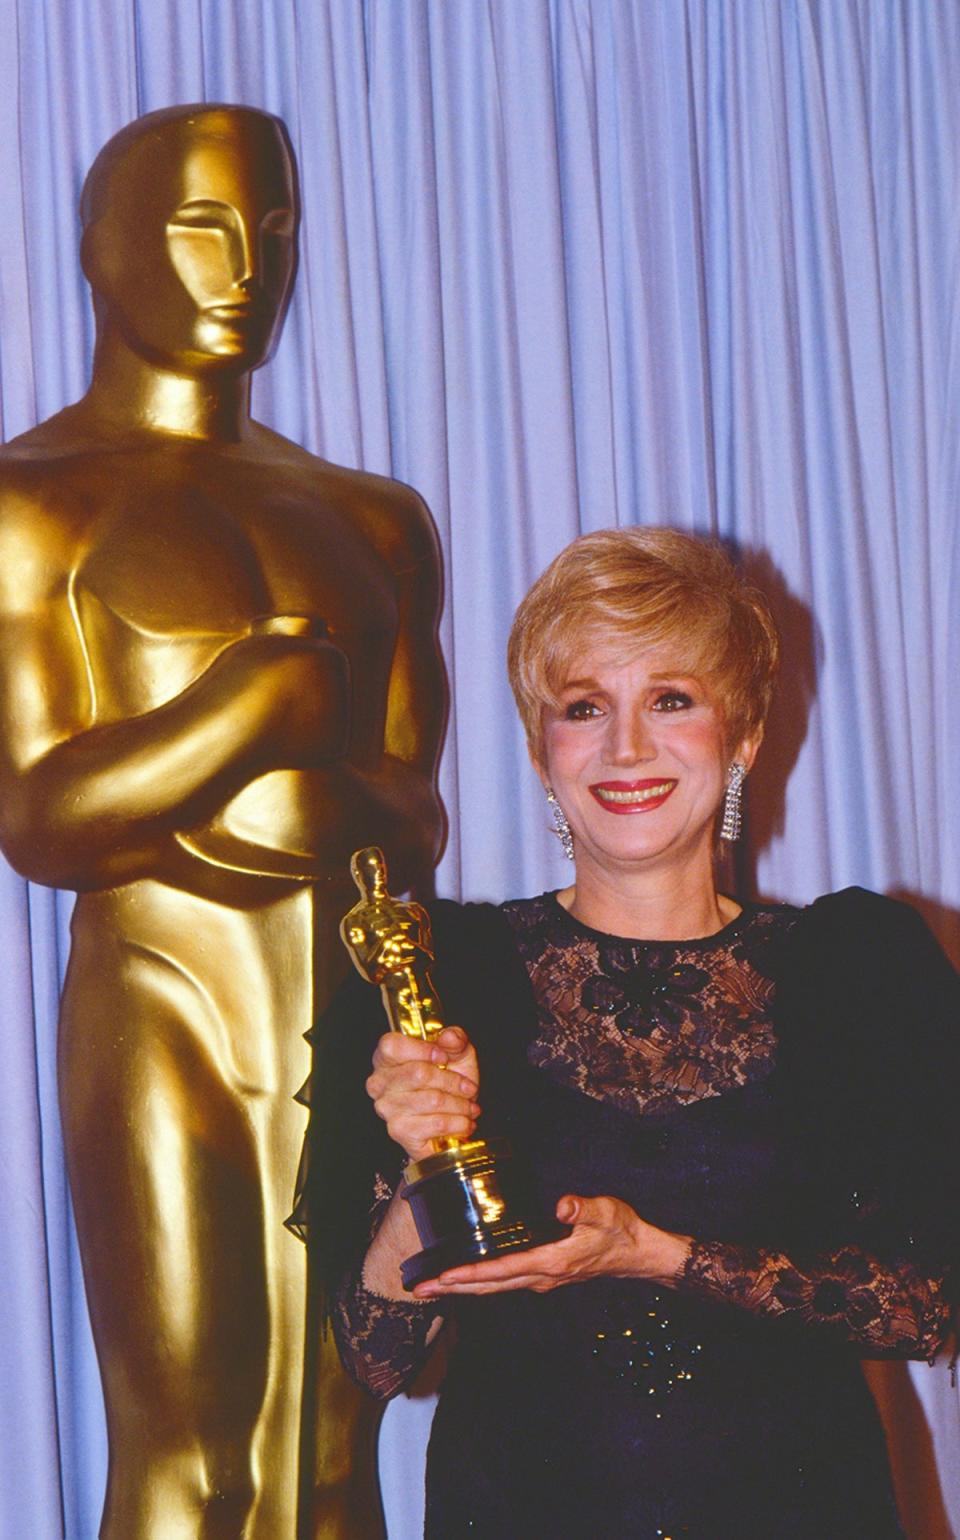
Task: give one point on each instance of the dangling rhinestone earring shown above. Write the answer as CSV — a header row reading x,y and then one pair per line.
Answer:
x,y
563,830
733,802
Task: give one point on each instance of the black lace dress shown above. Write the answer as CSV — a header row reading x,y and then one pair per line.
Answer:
x,y
732,1404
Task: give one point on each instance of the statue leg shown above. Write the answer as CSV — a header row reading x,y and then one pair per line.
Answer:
x,y
168,1187
346,1496
181,1048
341,1492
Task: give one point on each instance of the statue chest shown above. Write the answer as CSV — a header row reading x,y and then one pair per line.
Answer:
x,y
174,573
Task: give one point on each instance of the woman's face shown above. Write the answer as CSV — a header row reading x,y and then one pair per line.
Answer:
x,y
637,758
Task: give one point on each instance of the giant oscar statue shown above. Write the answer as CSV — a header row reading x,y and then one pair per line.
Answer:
x,y
220,676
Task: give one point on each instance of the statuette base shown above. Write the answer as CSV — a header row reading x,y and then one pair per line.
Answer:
x,y
465,1204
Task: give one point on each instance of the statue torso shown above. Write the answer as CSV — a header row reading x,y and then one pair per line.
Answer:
x,y
171,550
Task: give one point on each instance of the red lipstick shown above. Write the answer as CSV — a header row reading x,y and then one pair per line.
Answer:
x,y
633,796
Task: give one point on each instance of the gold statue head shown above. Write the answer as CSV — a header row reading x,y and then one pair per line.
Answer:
x,y
190,220
368,870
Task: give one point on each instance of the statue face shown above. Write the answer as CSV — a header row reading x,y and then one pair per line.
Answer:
x,y
194,259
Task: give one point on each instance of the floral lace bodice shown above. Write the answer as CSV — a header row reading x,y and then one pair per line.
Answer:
x,y
650,1026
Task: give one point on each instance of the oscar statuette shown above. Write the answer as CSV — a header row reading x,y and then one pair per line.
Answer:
x,y
466,1198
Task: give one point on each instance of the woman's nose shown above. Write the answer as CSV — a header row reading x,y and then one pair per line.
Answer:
x,y
631,741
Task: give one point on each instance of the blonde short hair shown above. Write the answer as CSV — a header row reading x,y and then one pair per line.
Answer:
x,y
641,588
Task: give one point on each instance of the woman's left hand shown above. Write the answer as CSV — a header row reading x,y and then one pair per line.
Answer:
x,y
608,1239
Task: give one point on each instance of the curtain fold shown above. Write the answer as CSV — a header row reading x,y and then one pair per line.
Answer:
x,y
564,264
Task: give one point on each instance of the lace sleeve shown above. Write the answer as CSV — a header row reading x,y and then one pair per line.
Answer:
x,y
382,1342
881,1307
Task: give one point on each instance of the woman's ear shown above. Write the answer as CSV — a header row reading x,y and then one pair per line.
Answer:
x,y
746,753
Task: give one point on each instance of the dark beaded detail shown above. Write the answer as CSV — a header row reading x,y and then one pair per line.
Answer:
x,y
646,1350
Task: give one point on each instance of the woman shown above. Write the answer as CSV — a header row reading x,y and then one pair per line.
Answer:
x,y
742,1111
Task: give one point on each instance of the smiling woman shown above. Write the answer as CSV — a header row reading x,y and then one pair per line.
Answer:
x,y
635,757
643,668
741,1110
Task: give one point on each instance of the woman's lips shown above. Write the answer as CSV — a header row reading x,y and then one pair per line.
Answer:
x,y
632,796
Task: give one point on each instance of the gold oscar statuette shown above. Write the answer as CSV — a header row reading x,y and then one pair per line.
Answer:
x,y
466,1199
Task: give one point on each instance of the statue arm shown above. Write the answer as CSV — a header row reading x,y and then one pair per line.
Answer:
x,y
402,791
377,955
89,803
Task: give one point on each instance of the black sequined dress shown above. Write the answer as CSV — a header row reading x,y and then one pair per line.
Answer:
x,y
732,1405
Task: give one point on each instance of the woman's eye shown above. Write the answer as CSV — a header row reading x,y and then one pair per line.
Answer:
x,y
580,711
673,700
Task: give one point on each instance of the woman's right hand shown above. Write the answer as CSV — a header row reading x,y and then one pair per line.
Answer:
x,y
425,1091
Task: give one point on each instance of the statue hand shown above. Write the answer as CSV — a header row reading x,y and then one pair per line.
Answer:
x,y
398,953
288,625
301,690
375,955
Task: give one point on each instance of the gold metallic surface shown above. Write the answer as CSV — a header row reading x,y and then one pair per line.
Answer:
x,y
456,1193
390,943
218,675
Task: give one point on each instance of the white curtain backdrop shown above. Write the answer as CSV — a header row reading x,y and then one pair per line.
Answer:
x,y
565,264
